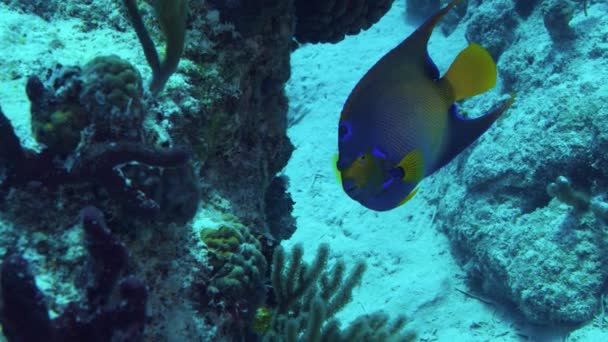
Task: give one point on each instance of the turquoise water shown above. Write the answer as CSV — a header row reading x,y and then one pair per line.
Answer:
x,y
156,214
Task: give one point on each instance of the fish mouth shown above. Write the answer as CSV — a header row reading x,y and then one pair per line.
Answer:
x,y
349,186
351,190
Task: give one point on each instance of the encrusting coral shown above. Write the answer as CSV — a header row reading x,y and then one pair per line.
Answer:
x,y
96,163
24,314
235,283
238,264
105,95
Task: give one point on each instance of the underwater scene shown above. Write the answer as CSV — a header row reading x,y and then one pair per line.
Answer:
x,y
304,170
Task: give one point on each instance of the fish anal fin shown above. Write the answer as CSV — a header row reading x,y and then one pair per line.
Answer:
x,y
472,72
408,197
463,132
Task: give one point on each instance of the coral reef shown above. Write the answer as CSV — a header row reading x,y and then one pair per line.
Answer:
x,y
90,122
96,165
517,241
493,29
234,114
315,21
106,95
557,15
562,190
111,95
235,284
109,141
115,304
279,206
525,7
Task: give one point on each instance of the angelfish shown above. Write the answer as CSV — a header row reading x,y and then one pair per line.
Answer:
x,y
400,124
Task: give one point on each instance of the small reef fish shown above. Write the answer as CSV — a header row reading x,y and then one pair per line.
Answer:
x,y
400,124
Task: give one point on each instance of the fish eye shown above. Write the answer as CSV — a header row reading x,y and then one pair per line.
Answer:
x,y
397,172
344,131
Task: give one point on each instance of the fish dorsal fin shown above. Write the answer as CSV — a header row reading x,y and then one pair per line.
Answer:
x,y
414,47
472,72
463,132
421,36
408,58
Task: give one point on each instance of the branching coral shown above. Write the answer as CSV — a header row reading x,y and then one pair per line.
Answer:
x,y
172,16
309,296
562,190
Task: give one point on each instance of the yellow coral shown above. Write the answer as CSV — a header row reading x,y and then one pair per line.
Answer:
x,y
60,131
261,320
221,243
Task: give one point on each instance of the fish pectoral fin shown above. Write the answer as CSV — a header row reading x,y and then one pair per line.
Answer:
x,y
472,72
413,166
408,197
463,132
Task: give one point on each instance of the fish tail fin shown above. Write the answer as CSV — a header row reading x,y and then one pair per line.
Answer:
x,y
472,72
463,132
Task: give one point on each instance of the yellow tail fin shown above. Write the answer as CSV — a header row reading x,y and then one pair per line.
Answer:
x,y
472,72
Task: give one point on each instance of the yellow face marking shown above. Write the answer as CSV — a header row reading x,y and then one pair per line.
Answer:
x,y
364,171
334,163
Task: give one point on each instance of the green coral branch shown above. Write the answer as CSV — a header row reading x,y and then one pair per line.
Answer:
x,y
562,190
585,7
172,15
309,296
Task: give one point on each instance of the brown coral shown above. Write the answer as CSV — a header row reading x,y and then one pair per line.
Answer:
x,y
328,21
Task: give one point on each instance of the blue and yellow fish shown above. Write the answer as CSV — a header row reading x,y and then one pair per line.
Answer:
x,y
400,123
